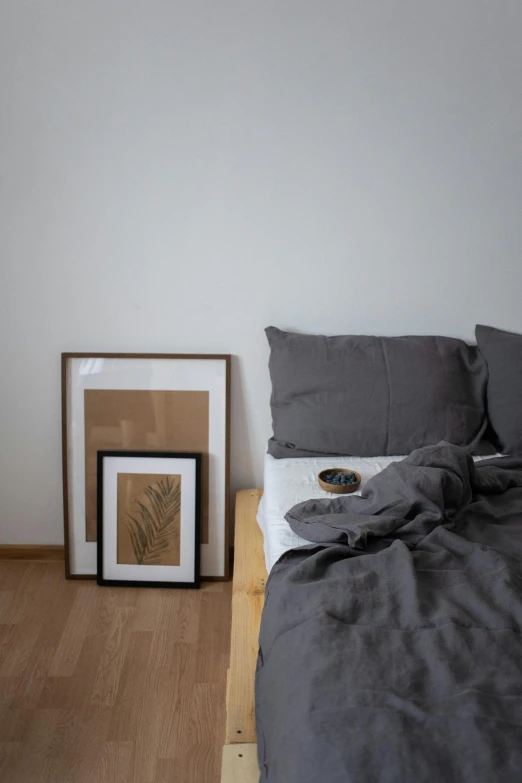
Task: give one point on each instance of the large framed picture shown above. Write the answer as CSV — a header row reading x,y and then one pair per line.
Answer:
x,y
145,402
148,519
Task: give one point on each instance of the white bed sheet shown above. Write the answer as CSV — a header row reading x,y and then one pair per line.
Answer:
x,y
293,480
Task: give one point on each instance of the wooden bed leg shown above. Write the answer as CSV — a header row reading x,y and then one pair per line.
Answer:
x,y
239,764
248,588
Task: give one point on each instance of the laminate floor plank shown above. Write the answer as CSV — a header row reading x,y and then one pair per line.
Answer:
x,y
24,620
12,574
188,618
148,611
28,590
127,708
112,659
31,765
6,596
204,724
7,690
76,745
110,685
76,690
10,754
104,610
22,645
8,637
115,763
29,686
214,639
158,704
176,742
75,631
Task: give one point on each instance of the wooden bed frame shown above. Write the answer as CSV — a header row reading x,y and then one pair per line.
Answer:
x,y
239,763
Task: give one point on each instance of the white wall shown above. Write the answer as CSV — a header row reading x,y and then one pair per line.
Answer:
x,y
176,175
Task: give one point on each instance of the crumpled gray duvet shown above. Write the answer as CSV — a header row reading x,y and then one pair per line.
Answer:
x,y
390,649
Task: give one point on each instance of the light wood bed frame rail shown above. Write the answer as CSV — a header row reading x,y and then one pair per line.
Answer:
x,y
239,763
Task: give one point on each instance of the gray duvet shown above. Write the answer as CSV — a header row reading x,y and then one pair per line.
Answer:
x,y
390,649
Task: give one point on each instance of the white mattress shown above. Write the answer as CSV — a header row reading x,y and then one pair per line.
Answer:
x,y
291,481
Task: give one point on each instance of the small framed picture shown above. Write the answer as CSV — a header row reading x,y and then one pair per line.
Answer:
x,y
149,507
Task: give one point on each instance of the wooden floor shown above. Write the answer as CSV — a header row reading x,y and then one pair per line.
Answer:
x,y
110,685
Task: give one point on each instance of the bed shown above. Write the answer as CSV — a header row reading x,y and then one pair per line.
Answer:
x,y
437,505
262,536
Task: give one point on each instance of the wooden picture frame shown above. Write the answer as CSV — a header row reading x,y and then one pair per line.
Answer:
x,y
160,543
198,373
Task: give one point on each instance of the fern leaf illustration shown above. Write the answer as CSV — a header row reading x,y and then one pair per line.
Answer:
x,y
136,548
152,529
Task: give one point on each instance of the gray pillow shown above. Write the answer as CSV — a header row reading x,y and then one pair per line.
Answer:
x,y
369,396
503,354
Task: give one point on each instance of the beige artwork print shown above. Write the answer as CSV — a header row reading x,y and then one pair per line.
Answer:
x,y
148,531
135,420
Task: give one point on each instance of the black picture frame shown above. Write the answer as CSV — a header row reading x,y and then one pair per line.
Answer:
x,y
101,455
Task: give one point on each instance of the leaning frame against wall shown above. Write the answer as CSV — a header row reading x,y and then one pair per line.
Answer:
x,y
145,402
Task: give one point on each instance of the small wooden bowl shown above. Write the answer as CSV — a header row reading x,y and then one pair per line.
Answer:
x,y
339,489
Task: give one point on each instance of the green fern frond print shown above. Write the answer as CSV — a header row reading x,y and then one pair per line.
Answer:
x,y
152,528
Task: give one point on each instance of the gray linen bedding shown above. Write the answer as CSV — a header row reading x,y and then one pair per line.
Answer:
x,y
390,650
